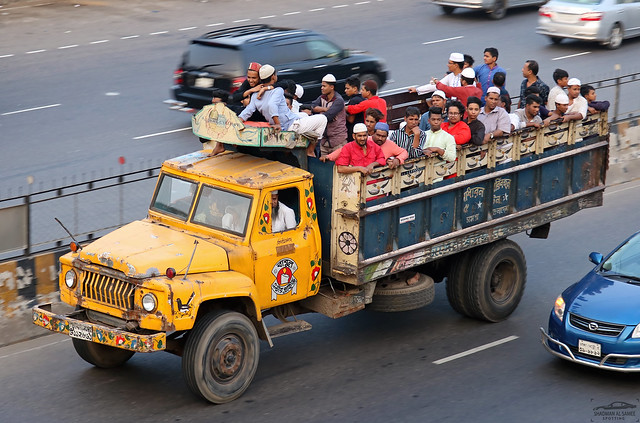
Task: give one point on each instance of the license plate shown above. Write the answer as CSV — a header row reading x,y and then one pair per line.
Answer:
x,y
204,82
589,348
80,331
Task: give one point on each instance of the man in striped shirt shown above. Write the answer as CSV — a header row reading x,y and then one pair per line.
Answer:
x,y
411,137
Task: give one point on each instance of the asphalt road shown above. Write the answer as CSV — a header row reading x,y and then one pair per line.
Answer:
x,y
83,86
366,367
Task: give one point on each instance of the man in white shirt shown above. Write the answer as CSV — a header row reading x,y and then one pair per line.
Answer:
x,y
577,103
283,218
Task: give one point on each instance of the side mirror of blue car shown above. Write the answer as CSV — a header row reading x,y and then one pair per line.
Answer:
x,y
595,258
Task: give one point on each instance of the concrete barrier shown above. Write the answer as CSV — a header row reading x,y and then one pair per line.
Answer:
x,y
34,280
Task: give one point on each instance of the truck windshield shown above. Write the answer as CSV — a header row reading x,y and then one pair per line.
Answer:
x,y
174,196
224,210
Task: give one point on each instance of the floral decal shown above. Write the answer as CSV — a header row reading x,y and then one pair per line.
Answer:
x,y
315,274
311,212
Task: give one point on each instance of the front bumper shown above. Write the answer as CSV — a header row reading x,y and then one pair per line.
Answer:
x,y
100,334
565,352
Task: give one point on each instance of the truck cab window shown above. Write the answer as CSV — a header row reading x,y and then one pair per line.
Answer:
x,y
223,210
174,196
285,209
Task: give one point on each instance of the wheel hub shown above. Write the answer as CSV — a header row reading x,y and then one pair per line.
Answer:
x,y
227,357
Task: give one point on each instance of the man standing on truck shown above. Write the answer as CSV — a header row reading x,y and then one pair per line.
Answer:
x,y
360,155
485,72
273,107
331,104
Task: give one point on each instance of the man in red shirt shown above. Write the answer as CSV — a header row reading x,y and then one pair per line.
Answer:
x,y
369,91
360,155
467,89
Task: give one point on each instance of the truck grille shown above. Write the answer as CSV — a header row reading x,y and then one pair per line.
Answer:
x,y
108,290
601,328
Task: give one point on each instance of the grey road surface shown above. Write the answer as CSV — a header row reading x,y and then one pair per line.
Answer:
x,y
366,367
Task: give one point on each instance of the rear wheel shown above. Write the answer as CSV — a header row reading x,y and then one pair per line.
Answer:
x,y
615,37
221,356
499,9
99,355
496,280
556,40
456,282
448,9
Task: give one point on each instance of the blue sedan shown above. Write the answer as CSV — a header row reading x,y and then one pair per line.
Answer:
x,y
596,321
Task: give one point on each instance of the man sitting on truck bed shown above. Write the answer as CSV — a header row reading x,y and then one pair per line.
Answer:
x,y
360,155
274,108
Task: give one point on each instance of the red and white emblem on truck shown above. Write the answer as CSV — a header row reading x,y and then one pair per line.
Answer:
x,y
285,280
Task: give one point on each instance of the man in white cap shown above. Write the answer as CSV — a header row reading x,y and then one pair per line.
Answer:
x,y
361,154
283,217
438,99
494,118
295,104
577,103
273,107
467,88
562,110
331,104
451,79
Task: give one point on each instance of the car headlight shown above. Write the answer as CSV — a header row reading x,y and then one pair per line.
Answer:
x,y
149,302
70,278
558,308
636,332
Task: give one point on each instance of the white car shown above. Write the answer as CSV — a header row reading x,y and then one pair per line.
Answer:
x,y
605,21
496,9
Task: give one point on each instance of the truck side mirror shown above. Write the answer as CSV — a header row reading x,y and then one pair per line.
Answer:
x,y
595,258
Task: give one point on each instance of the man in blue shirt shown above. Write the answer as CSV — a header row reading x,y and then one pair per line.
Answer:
x,y
484,73
271,103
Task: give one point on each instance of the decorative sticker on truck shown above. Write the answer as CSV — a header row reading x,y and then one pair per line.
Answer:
x,y
285,280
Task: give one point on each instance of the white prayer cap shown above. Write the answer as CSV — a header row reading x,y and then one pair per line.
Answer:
x,y
574,81
359,127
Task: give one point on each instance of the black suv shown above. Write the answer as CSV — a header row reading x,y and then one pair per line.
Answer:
x,y
219,59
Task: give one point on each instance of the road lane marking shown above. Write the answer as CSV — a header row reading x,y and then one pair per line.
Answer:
x,y
475,350
571,55
35,51
6,55
442,40
216,24
69,46
30,110
160,133
128,37
338,6
241,20
189,28
159,32
35,348
22,7
267,17
99,42
362,2
291,13
316,10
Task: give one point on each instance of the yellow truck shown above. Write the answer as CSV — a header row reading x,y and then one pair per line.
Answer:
x,y
260,231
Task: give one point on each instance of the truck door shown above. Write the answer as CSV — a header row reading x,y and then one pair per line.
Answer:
x,y
286,255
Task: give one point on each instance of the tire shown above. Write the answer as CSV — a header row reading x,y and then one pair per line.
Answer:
x,y
396,295
615,37
99,355
448,9
456,283
499,9
496,280
367,76
221,356
556,40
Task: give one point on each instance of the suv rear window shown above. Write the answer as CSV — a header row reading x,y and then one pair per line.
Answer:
x,y
218,59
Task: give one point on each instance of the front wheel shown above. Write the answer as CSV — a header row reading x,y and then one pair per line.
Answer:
x,y
556,40
221,356
499,9
100,355
498,273
615,37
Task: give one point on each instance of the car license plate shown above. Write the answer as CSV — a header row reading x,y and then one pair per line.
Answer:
x,y
589,348
204,82
80,331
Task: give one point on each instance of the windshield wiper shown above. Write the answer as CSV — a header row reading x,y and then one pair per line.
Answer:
x,y
623,276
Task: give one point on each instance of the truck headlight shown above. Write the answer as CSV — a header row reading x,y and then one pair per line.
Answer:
x,y
149,302
70,279
558,308
636,332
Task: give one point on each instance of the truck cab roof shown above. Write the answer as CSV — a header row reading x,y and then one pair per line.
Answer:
x,y
238,169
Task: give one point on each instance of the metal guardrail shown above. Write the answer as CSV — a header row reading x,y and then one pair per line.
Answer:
x,y
93,208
